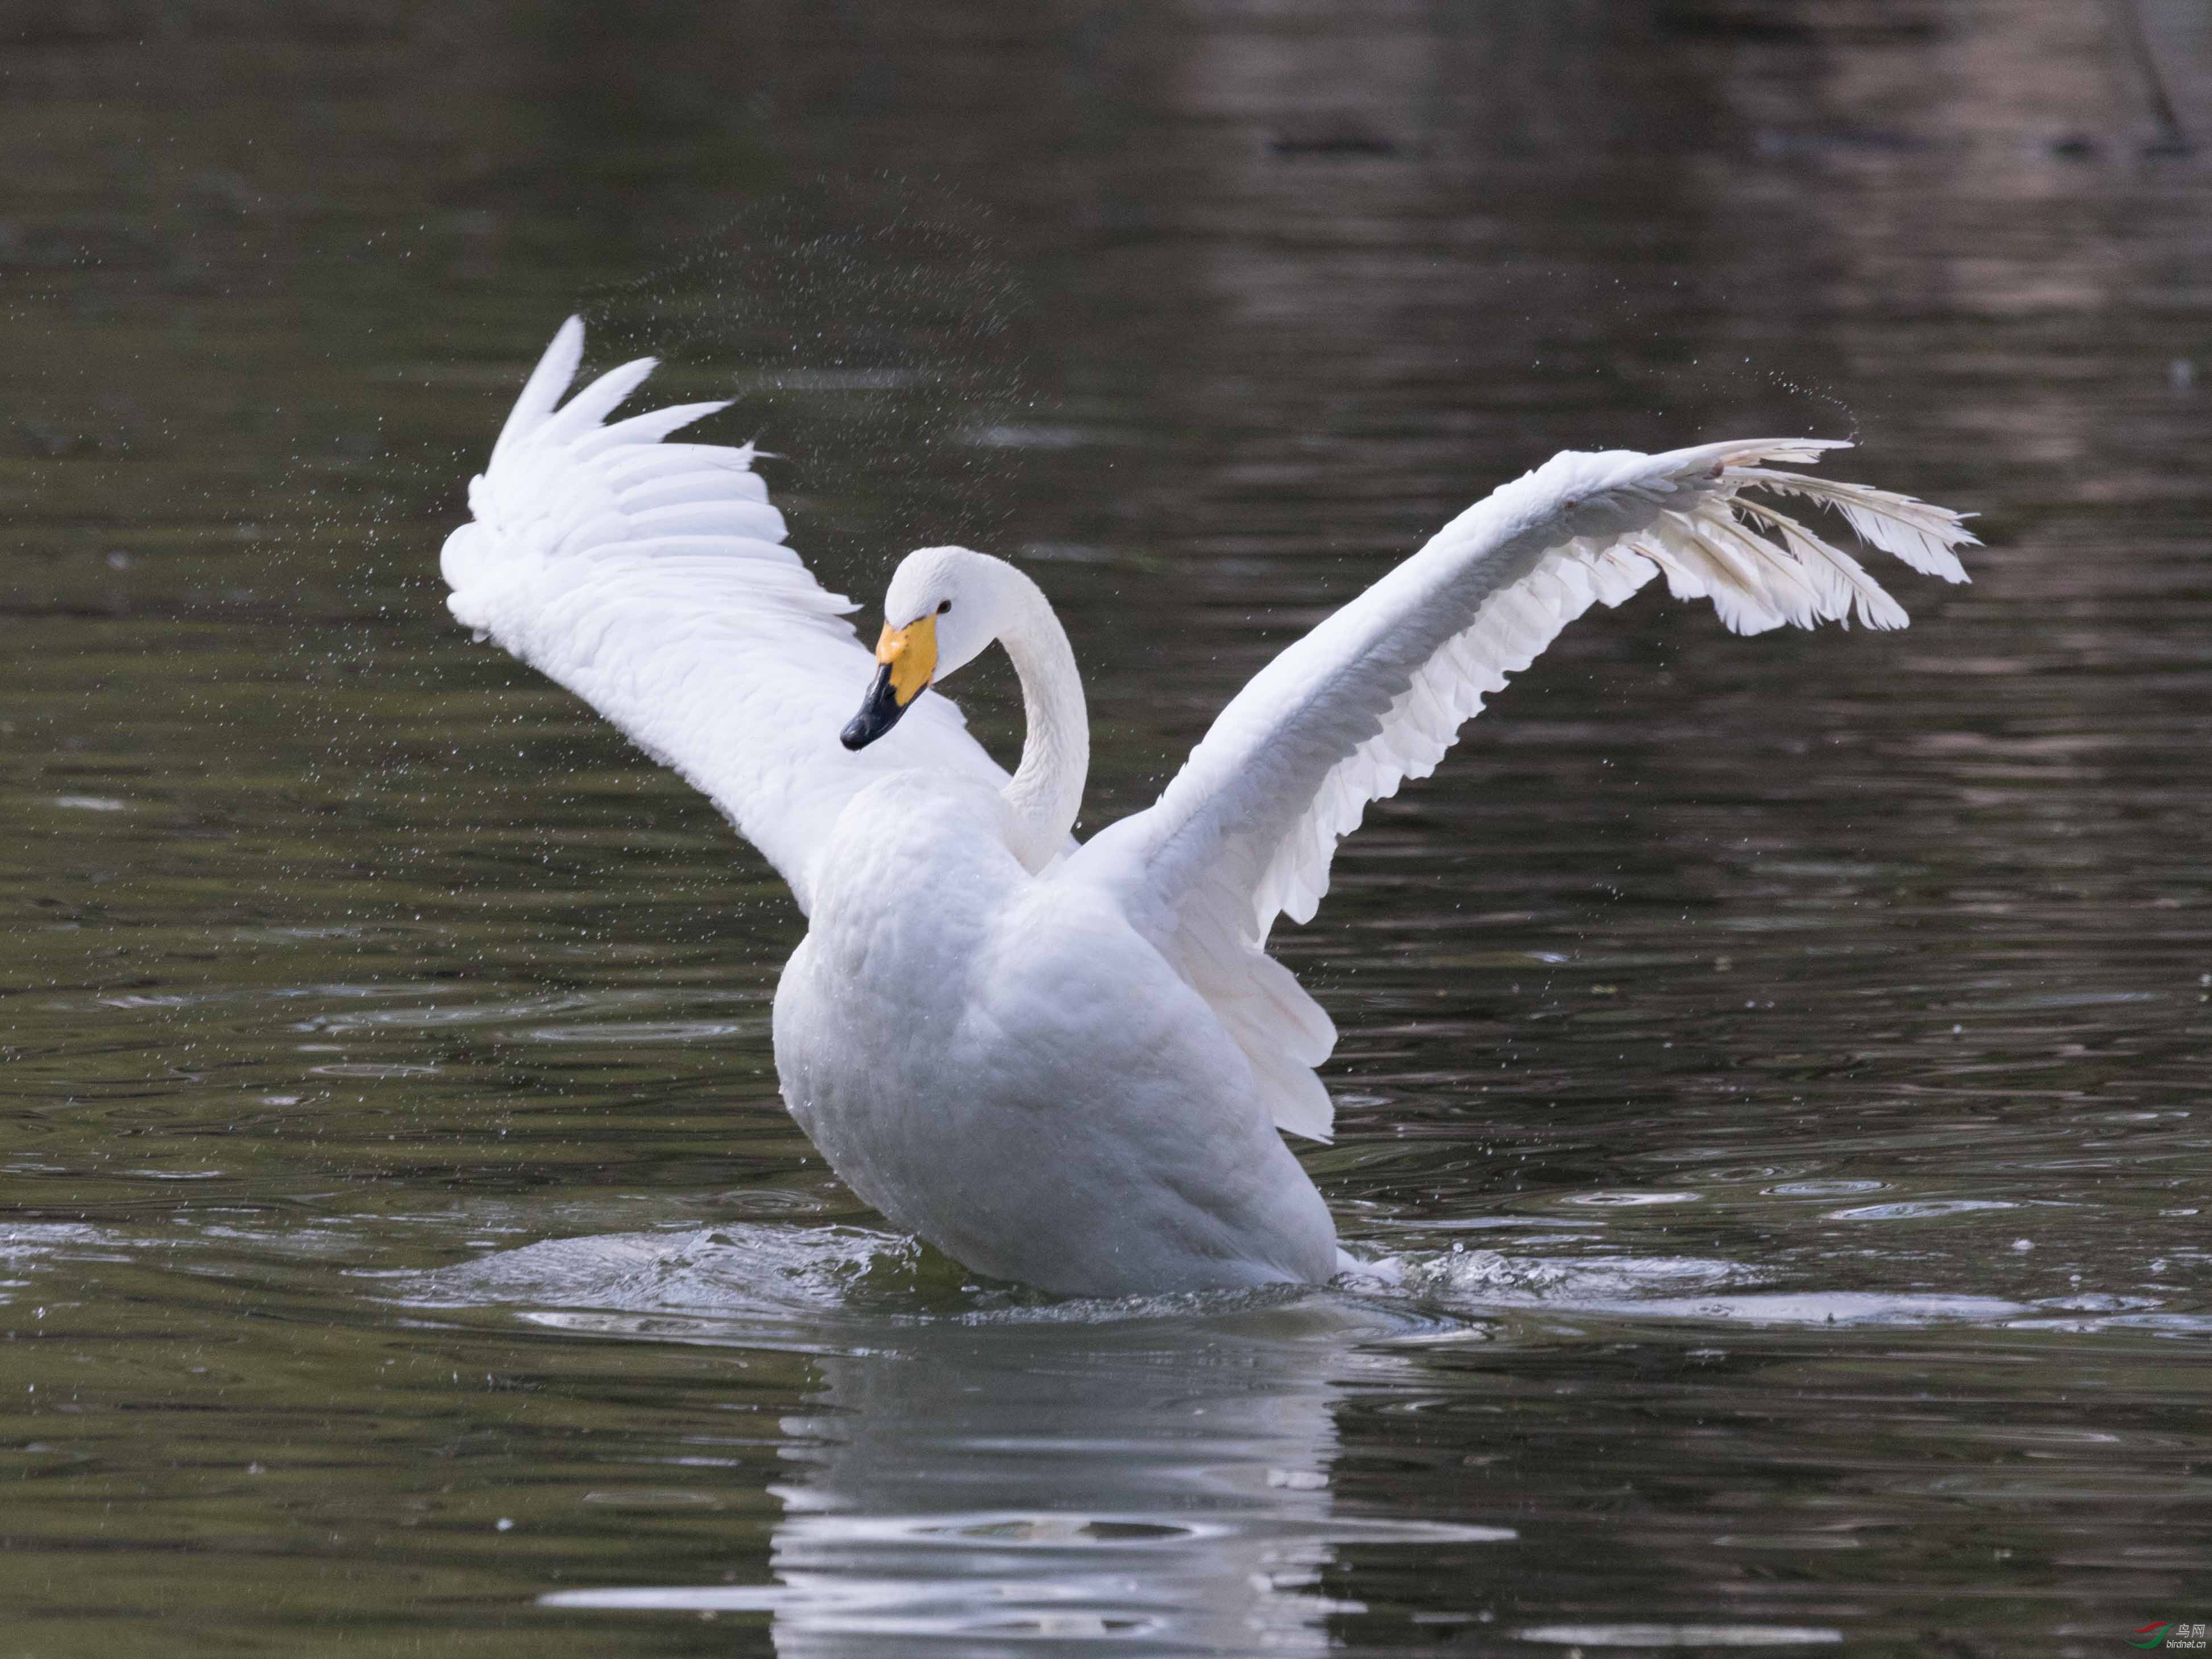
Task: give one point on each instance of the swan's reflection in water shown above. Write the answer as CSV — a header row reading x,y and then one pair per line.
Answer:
x,y
1156,1473
1166,1481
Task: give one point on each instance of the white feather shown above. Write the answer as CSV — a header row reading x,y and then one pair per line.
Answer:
x,y
993,1040
1377,694
650,579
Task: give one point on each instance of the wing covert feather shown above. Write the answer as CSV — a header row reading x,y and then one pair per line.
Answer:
x,y
1378,692
651,580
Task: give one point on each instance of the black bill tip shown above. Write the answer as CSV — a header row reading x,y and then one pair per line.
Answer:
x,y
879,711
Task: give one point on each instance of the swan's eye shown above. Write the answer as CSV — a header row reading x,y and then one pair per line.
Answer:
x,y
944,607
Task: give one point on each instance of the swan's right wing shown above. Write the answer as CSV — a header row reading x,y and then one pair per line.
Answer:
x,y
1378,692
651,580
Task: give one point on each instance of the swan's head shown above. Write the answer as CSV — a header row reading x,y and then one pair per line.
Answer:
x,y
944,605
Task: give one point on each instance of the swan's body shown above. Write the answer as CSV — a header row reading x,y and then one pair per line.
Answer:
x,y
1001,1063
1068,1065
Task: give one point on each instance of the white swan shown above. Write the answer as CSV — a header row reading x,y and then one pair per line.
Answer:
x,y
1068,1065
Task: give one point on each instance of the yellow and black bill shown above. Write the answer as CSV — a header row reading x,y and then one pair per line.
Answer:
x,y
906,659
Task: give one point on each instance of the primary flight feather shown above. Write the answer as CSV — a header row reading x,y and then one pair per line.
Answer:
x,y
1067,1063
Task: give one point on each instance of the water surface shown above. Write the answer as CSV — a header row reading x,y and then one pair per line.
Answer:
x,y
1777,1064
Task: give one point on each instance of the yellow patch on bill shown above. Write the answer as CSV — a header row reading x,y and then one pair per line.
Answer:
x,y
910,653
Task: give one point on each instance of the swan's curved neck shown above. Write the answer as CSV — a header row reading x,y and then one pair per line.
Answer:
x,y
1045,790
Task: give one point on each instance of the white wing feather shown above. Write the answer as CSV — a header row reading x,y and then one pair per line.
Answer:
x,y
650,579
1378,692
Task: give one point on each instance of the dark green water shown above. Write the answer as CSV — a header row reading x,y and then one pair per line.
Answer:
x,y
1782,1061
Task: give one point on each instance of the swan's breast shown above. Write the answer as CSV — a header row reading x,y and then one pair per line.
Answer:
x,y
912,852
907,898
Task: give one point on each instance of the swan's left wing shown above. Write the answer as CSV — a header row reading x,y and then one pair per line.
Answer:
x,y
651,580
1378,692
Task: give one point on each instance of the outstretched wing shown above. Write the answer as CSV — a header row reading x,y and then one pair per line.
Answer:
x,y
1378,692
651,580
